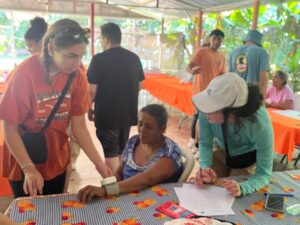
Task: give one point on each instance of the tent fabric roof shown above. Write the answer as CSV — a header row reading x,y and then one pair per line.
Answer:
x,y
130,8
79,7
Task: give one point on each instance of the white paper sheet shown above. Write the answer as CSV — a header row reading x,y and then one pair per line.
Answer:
x,y
289,113
207,201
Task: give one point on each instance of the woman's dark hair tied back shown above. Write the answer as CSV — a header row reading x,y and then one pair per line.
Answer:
x,y
158,112
249,110
37,29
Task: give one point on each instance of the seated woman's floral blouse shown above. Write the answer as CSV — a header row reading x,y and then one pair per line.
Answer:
x,y
170,150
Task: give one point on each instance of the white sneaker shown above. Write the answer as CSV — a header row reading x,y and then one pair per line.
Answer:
x,y
191,143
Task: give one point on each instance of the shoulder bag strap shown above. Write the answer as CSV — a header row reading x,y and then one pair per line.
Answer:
x,y
59,100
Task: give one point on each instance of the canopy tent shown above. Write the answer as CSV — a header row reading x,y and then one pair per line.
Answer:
x,y
79,7
130,8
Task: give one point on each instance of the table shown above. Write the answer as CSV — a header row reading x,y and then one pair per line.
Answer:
x,y
286,133
169,90
138,208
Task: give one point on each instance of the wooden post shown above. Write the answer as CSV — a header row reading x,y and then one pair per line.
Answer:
x,y
255,15
92,26
199,30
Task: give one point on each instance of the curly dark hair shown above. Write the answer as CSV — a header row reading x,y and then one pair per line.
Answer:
x,y
249,110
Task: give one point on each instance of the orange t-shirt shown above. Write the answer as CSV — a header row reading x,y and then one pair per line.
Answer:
x,y
29,100
212,63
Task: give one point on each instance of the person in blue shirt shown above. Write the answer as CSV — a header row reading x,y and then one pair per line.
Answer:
x,y
149,158
251,61
232,114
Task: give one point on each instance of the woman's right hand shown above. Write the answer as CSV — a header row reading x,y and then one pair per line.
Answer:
x,y
104,170
205,176
33,182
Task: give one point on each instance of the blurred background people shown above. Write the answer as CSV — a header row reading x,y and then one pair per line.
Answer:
x,y
251,61
206,64
34,35
280,95
115,77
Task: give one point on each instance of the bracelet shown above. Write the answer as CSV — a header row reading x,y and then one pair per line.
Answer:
x,y
112,189
26,165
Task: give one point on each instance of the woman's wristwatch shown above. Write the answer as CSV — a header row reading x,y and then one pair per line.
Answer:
x,y
111,185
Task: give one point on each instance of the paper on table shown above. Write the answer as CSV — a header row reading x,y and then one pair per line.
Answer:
x,y
206,201
289,113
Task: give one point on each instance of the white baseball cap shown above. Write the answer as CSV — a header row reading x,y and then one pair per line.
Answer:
x,y
228,90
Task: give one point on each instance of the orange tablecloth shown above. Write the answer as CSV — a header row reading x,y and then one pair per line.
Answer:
x,y
169,90
2,88
286,133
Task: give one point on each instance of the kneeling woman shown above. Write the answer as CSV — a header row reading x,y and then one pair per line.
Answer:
x,y
149,158
231,112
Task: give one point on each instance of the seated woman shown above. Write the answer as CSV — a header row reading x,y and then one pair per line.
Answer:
x,y
149,158
280,95
231,112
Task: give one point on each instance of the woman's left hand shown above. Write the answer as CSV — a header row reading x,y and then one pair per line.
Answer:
x,y
233,187
104,170
88,192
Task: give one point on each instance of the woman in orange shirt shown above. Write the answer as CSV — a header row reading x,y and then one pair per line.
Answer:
x,y
32,92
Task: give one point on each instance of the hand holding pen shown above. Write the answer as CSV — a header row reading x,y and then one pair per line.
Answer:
x,y
205,176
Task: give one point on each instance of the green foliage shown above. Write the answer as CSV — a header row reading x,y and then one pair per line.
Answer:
x,y
3,19
279,22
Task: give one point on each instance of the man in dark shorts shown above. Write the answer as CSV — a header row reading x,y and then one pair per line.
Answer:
x,y
115,76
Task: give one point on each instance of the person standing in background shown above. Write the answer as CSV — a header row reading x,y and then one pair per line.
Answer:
x,y
34,35
251,61
206,64
115,77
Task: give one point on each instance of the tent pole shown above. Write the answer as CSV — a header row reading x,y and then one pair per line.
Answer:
x,y
92,26
199,30
255,15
